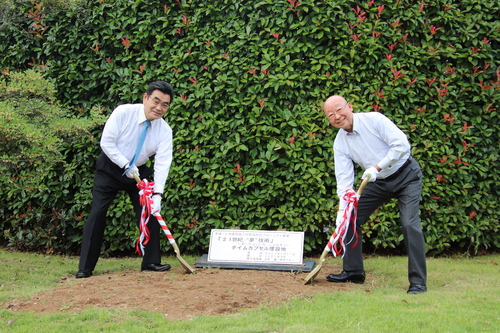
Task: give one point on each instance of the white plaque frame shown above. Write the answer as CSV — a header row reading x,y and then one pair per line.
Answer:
x,y
256,246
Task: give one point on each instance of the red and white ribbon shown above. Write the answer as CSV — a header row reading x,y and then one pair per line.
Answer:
x,y
146,201
337,243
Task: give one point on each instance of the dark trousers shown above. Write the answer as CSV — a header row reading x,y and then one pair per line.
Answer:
x,y
406,186
108,180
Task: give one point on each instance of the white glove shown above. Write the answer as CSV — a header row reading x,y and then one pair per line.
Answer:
x,y
156,205
340,217
130,173
373,172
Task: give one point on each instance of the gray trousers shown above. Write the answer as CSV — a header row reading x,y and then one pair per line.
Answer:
x,y
406,186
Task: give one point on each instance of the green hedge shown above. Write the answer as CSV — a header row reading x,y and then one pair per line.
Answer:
x,y
252,147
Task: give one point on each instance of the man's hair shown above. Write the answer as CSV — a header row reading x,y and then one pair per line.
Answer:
x,y
162,86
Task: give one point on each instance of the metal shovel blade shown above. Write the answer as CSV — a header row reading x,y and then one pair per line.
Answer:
x,y
310,277
183,262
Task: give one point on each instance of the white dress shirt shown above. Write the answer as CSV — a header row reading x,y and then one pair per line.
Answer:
x,y
375,140
121,134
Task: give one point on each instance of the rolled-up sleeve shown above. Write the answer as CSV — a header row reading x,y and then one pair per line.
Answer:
x,y
395,139
163,158
110,137
344,171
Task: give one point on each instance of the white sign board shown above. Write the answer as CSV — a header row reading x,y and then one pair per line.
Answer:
x,y
256,246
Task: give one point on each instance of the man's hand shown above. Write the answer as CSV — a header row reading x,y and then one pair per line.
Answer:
x,y
373,172
130,173
156,205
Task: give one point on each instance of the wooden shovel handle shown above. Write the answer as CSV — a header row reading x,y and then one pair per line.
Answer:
x,y
136,176
363,184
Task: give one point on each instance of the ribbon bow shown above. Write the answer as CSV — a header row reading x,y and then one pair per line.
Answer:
x,y
145,194
337,243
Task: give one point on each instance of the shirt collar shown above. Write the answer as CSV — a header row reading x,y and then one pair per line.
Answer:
x,y
355,129
141,117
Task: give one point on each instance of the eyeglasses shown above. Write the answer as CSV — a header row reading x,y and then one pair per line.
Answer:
x,y
340,109
157,102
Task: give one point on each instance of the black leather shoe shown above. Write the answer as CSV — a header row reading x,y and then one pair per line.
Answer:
x,y
155,267
354,277
417,289
83,274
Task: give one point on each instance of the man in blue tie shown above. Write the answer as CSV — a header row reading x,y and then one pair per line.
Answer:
x,y
132,134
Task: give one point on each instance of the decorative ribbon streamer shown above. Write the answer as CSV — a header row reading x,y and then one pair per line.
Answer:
x,y
145,194
337,243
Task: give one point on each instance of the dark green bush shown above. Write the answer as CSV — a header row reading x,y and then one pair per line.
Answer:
x,y
252,147
39,172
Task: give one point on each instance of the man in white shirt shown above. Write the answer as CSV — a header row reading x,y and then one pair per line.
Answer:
x,y
375,143
117,163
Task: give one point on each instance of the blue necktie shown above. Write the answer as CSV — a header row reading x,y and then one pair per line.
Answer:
x,y
142,136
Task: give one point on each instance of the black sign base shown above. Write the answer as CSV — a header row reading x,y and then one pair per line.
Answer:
x,y
307,266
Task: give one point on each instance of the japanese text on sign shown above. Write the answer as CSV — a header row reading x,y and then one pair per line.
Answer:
x,y
255,246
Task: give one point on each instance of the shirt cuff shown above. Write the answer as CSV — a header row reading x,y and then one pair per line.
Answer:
x,y
384,163
158,188
122,162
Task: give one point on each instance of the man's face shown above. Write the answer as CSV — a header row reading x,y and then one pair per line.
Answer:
x,y
156,105
339,113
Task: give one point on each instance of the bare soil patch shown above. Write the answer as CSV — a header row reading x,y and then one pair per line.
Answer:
x,y
178,295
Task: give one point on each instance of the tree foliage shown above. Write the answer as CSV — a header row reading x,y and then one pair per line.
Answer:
x,y
252,147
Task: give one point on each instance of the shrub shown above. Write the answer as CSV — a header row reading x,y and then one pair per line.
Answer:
x,y
38,178
252,148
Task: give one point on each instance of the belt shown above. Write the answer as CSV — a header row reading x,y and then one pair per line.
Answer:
x,y
398,172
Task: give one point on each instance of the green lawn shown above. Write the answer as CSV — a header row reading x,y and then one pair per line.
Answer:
x,y
463,296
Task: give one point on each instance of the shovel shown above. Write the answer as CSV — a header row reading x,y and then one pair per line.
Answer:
x,y
170,238
310,277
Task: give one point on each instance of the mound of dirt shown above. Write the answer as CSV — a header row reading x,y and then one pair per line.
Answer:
x,y
178,295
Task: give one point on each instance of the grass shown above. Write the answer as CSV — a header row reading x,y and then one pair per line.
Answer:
x,y
463,296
